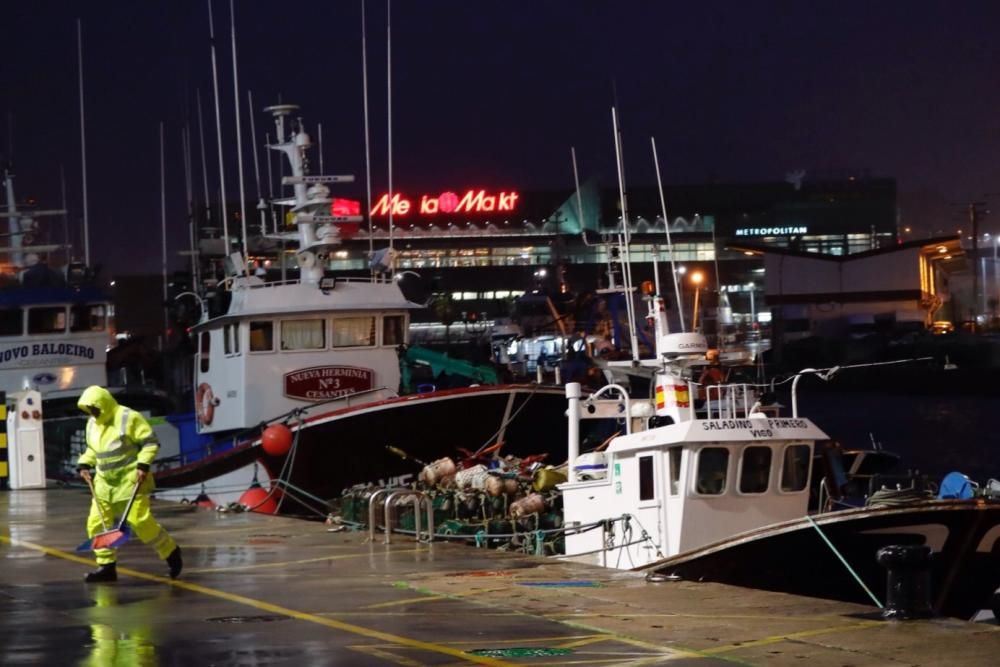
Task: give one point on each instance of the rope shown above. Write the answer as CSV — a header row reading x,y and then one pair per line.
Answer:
x,y
896,497
844,561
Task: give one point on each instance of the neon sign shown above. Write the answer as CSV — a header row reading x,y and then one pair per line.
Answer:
x,y
471,201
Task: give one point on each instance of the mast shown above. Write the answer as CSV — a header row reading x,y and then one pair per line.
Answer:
x,y
163,240
388,66
218,131
239,138
666,225
256,165
204,163
189,190
83,144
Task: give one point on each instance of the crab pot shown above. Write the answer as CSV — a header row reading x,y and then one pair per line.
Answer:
x,y
908,589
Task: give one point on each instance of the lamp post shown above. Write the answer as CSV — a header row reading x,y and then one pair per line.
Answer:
x,y
697,277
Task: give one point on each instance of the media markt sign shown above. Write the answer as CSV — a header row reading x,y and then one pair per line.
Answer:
x,y
321,383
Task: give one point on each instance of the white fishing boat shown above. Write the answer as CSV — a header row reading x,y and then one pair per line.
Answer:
x,y
323,354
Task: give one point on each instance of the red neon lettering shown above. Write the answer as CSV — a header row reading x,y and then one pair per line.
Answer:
x,y
399,206
472,201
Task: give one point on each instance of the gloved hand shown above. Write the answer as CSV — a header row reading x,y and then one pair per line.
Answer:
x,y
85,475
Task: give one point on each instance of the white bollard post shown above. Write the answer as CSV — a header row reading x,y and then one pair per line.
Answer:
x,y
573,414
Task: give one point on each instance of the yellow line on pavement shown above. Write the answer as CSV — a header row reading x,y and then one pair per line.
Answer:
x,y
430,597
777,639
290,562
272,608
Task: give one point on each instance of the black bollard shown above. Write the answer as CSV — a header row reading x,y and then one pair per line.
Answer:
x,y
908,590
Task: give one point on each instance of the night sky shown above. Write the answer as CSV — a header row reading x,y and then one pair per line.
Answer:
x,y
493,94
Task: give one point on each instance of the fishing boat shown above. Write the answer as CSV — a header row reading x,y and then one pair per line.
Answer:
x,y
720,488
323,356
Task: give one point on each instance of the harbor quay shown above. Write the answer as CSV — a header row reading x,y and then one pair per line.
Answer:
x,y
271,590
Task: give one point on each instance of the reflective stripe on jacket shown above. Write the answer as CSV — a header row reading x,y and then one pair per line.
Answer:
x,y
118,441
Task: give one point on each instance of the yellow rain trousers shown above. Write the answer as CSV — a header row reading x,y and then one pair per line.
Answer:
x,y
119,442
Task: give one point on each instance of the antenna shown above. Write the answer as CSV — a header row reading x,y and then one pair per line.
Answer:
x,y
270,183
625,239
62,184
319,130
239,138
218,131
83,144
368,160
666,225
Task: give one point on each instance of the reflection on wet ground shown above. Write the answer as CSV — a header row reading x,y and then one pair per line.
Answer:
x,y
264,590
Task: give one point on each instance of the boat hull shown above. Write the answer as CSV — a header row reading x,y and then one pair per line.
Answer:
x,y
338,449
792,557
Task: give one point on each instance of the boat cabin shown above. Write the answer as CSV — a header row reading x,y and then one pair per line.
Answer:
x,y
53,339
287,345
697,471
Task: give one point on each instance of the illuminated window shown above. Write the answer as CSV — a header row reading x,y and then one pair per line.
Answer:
x,y
303,334
47,320
91,317
261,336
354,332
392,330
674,454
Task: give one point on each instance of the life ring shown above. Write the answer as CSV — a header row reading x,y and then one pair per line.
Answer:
x,y
713,375
204,404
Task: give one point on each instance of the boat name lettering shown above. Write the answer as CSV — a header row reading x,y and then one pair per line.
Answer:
x,y
756,426
472,201
325,382
42,349
771,231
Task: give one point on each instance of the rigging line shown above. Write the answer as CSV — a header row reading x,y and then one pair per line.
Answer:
x,y
368,162
256,164
83,145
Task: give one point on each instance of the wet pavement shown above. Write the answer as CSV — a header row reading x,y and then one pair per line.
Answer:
x,y
262,590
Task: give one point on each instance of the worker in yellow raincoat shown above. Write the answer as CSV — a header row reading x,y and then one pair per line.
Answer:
x,y
120,447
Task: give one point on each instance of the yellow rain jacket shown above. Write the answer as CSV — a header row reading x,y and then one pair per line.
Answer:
x,y
119,442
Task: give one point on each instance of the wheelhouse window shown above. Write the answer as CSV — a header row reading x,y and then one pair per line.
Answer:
x,y
674,455
646,478
90,317
204,348
11,321
795,470
303,334
47,320
755,470
392,330
261,336
713,466
354,332
231,339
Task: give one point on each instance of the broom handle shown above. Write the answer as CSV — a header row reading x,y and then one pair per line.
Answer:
x,y
128,508
100,510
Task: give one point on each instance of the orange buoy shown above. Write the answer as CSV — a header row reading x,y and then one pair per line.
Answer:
x,y
276,439
203,501
258,499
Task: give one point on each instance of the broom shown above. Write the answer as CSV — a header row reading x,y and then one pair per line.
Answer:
x,y
109,539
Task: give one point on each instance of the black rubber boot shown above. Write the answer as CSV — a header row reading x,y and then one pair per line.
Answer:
x,y
175,563
104,574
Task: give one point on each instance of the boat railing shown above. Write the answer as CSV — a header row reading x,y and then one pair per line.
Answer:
x,y
729,401
295,281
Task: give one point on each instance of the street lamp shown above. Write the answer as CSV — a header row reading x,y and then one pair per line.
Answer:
x,y
697,277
